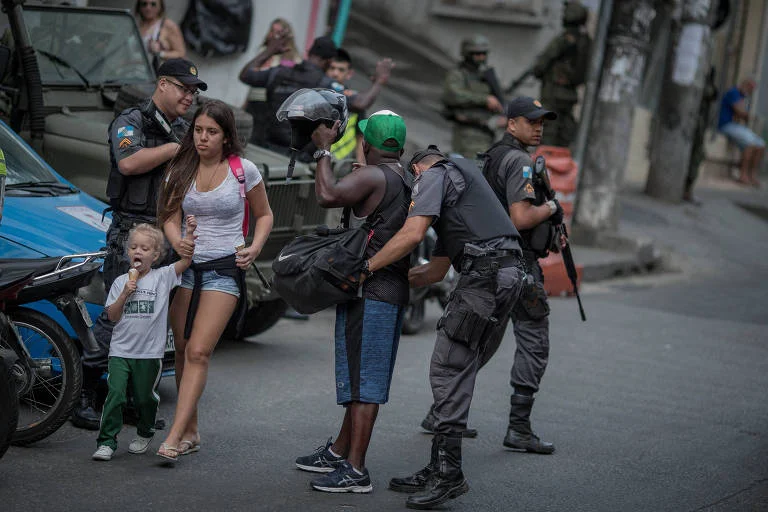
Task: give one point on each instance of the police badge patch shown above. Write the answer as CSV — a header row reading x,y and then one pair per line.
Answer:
x,y
125,131
527,172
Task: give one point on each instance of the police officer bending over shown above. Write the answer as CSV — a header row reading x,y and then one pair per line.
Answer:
x,y
476,235
142,140
282,81
509,170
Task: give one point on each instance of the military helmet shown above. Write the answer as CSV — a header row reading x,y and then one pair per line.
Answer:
x,y
475,44
574,13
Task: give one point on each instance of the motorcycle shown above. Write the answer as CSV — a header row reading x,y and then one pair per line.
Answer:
x,y
413,320
47,372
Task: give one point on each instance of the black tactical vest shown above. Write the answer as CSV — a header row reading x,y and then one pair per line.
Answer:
x,y
476,217
285,82
138,194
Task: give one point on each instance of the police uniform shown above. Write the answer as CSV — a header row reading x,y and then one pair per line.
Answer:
x,y
477,235
509,170
562,67
133,200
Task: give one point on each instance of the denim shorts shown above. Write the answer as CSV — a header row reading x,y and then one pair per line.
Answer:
x,y
212,281
741,135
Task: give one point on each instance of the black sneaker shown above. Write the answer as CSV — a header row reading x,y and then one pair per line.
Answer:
x,y
321,460
344,479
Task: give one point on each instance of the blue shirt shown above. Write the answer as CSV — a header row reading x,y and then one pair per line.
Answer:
x,y
731,97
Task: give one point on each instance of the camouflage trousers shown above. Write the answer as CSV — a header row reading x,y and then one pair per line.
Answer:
x,y
562,131
469,140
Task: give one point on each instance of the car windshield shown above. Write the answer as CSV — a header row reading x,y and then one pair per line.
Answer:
x,y
76,47
23,165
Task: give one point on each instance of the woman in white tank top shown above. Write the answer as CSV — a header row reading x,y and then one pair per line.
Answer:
x,y
161,36
200,182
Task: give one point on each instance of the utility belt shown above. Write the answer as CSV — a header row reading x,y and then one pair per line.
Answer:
x,y
492,261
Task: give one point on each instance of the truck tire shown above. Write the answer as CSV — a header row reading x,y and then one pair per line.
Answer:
x,y
262,316
45,402
9,402
132,95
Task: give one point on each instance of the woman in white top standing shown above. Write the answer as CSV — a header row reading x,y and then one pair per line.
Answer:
x,y
161,36
201,181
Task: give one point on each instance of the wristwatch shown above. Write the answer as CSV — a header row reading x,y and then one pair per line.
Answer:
x,y
320,153
365,270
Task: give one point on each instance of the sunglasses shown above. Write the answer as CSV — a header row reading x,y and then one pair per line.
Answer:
x,y
185,90
148,4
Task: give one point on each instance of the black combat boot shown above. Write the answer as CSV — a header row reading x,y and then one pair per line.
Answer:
x,y
449,481
428,424
520,436
417,481
84,413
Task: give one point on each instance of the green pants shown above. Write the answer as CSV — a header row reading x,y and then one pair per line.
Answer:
x,y
144,377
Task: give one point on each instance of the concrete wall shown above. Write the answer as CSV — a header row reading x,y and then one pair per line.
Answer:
x,y
221,72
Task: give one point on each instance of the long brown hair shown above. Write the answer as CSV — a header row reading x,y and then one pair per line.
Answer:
x,y
293,52
182,169
137,9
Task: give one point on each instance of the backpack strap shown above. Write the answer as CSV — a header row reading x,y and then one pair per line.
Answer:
x,y
236,165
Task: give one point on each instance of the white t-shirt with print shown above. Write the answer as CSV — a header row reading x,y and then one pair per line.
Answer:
x,y
143,328
219,214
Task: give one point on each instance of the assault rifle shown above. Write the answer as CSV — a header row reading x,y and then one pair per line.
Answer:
x,y
489,75
540,174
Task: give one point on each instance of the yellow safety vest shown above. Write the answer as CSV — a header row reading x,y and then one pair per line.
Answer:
x,y
346,145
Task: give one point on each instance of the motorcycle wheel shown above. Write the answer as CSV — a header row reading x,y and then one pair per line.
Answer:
x,y
9,402
262,316
413,320
47,397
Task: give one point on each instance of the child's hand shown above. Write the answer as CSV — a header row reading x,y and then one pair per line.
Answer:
x,y
191,227
129,288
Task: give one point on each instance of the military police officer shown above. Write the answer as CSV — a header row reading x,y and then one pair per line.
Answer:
x,y
142,140
470,100
510,172
282,81
562,67
476,235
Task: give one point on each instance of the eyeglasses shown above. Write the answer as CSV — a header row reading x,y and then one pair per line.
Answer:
x,y
148,4
185,90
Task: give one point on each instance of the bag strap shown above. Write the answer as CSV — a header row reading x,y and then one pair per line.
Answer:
x,y
236,165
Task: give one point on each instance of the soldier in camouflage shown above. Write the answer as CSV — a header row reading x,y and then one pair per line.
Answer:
x,y
562,67
470,102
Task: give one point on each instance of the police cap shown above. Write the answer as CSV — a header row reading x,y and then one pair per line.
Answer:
x,y
529,108
183,70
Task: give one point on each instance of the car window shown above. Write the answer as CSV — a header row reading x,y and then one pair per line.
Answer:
x,y
96,46
22,163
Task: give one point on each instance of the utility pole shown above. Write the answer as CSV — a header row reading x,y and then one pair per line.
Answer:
x,y
682,89
608,142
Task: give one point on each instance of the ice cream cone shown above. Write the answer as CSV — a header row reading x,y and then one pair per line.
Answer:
x,y
133,274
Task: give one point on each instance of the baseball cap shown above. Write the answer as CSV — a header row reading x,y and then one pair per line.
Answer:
x,y
323,47
184,70
384,130
529,108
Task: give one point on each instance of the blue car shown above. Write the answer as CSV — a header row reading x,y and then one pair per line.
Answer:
x,y
45,215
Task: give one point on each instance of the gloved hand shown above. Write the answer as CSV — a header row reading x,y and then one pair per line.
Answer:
x,y
557,217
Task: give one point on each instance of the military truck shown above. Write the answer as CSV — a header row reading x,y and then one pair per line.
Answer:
x,y
73,69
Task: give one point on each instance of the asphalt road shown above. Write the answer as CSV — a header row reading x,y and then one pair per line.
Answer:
x,y
657,403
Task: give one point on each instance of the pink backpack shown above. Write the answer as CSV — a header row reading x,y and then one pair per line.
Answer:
x,y
237,170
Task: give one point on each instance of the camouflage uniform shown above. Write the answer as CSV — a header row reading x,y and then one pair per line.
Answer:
x,y
562,67
465,96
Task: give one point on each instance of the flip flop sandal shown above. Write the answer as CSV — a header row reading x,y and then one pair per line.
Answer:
x,y
169,453
187,446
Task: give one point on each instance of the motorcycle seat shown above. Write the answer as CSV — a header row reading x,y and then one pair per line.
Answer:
x,y
37,266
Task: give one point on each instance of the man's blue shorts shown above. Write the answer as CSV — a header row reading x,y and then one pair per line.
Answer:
x,y
741,135
367,336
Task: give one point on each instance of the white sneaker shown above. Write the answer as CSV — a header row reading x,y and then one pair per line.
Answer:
x,y
139,444
103,453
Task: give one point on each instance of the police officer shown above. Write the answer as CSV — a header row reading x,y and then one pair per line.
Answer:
x,y
142,140
562,67
282,81
476,236
470,101
509,171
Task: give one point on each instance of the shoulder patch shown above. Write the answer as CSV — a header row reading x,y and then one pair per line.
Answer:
x,y
125,143
125,131
527,172
529,188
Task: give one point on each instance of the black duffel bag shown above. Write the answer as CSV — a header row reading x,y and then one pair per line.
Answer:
x,y
321,269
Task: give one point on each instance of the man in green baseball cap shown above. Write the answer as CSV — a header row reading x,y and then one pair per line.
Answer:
x,y
367,328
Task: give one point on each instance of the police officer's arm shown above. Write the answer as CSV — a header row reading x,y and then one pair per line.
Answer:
x,y
363,100
432,272
457,95
354,187
520,194
404,241
131,155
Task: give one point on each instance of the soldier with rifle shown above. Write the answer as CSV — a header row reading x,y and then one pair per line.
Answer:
x,y
562,67
473,99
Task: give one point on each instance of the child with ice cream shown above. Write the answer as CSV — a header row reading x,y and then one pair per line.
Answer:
x,y
138,303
